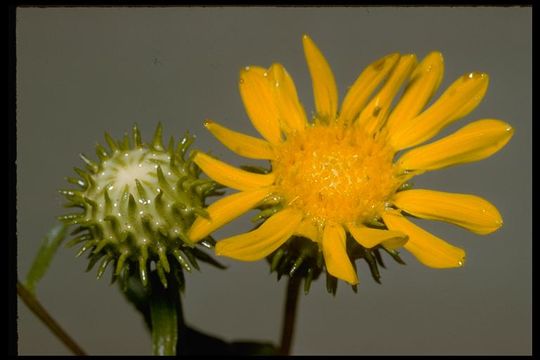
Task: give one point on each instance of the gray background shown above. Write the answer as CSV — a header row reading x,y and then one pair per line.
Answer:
x,y
82,71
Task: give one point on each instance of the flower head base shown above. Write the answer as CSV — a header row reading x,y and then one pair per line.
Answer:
x,y
340,180
138,202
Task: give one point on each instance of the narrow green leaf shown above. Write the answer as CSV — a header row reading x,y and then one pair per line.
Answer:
x,y
44,256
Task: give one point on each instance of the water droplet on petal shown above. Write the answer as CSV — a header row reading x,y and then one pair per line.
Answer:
x,y
265,74
246,68
241,81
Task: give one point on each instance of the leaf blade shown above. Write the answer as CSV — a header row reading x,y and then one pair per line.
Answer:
x,y
45,254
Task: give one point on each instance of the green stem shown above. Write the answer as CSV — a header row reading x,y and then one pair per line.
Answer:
x,y
167,318
181,327
164,325
33,304
289,316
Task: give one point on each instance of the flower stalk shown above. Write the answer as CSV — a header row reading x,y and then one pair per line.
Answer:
x,y
289,314
167,318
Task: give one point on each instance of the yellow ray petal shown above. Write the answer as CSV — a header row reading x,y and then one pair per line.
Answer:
x,y
334,247
457,101
257,95
427,248
225,210
468,211
308,230
368,237
262,241
363,87
239,143
374,114
425,80
475,141
230,176
291,112
324,85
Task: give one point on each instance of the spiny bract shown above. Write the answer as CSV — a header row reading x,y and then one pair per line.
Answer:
x,y
138,201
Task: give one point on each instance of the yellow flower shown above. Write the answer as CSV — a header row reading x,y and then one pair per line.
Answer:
x,y
339,172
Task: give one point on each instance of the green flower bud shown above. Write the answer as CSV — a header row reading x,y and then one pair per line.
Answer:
x,y
138,201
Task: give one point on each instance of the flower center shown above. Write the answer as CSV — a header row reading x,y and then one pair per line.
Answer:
x,y
124,167
335,173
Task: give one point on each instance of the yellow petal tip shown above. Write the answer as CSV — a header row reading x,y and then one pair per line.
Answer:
x,y
477,76
207,123
510,130
498,224
410,56
307,41
436,53
243,72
